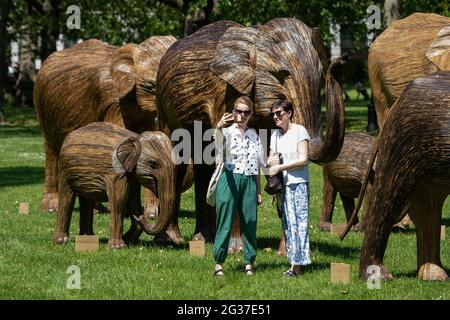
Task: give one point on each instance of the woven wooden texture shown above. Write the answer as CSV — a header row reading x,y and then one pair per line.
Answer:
x,y
345,175
94,81
103,161
399,55
413,164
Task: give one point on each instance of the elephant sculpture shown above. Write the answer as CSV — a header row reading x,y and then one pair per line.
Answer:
x,y
410,48
91,82
413,164
201,76
344,176
105,162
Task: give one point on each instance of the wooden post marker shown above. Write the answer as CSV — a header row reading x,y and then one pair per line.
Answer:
x,y
197,248
442,232
24,208
340,273
336,229
86,243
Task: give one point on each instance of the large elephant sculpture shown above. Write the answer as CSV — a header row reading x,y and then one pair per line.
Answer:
x,y
344,175
91,82
202,75
410,48
105,162
413,165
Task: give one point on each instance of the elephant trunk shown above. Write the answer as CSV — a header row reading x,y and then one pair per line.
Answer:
x,y
165,191
323,151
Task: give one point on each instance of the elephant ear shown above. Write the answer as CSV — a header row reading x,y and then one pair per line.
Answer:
x,y
147,59
123,70
317,41
439,50
128,153
235,58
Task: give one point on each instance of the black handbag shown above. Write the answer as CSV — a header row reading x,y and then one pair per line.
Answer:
x,y
275,183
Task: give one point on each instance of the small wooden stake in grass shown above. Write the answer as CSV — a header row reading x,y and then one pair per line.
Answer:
x,y
340,273
336,229
442,232
86,243
197,248
24,208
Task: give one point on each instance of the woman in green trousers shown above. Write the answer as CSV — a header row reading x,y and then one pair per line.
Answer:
x,y
238,189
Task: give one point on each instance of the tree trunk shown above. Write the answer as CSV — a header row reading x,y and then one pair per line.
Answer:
x,y
392,10
4,11
27,71
50,30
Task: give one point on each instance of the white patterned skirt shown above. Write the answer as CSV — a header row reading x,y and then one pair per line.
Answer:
x,y
295,223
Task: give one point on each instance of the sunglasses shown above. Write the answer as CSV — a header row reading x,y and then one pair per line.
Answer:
x,y
278,113
245,113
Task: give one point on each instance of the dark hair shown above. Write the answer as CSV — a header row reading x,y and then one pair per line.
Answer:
x,y
286,105
245,100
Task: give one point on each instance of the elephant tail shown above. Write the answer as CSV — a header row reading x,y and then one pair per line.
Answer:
x,y
363,189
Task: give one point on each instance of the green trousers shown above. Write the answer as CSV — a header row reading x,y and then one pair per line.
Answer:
x,y
235,193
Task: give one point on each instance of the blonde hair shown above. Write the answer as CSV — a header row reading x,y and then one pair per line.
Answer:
x,y
244,100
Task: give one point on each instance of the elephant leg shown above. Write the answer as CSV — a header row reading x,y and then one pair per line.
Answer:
x,y
151,204
378,221
236,242
329,198
86,216
50,196
426,208
172,236
118,192
100,208
349,205
64,214
361,226
133,208
205,225
282,246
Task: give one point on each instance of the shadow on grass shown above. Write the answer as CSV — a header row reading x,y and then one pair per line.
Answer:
x,y
406,231
330,249
446,221
268,242
409,274
148,244
276,265
18,176
186,214
7,131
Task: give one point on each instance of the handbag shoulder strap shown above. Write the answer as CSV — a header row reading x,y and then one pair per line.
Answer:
x,y
222,149
276,140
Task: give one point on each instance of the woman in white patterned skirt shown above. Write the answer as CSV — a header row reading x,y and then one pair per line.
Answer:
x,y
291,143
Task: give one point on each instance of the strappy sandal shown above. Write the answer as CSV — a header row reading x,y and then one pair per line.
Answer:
x,y
218,273
290,273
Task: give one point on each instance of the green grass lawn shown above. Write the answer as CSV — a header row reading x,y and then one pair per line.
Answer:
x,y
31,267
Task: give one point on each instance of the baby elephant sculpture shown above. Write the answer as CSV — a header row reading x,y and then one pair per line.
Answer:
x,y
413,164
345,175
105,162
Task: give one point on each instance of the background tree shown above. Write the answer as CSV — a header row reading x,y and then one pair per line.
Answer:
x,y
392,10
4,51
